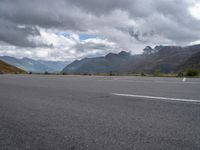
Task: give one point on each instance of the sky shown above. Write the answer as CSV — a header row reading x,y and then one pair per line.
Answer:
x,y
65,30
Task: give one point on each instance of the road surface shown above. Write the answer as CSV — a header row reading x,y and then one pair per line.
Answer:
x,y
98,113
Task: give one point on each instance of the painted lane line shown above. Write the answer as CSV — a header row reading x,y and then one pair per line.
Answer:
x,y
154,97
168,82
184,79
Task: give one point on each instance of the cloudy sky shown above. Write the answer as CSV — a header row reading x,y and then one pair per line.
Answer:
x,y
73,29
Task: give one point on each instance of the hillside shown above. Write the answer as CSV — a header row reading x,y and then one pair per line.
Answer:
x,y
110,62
6,68
166,59
192,62
38,66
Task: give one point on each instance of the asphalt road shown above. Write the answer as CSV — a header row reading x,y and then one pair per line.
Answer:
x,y
85,113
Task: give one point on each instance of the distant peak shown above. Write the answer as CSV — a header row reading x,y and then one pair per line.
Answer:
x,y
148,47
110,54
121,54
158,47
147,50
26,58
7,57
124,54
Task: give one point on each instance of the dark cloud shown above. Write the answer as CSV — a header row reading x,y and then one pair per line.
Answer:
x,y
45,13
18,36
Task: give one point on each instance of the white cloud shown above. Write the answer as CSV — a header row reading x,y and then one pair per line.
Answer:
x,y
64,48
195,42
195,10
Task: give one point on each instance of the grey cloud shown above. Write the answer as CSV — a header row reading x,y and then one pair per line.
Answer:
x,y
161,20
170,19
88,46
100,7
31,14
17,36
45,13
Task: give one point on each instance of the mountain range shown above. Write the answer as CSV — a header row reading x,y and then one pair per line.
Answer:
x,y
166,59
37,66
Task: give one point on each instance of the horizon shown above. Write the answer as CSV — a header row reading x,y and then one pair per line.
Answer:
x,y
67,61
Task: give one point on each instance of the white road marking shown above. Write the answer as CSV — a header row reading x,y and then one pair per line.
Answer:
x,y
148,81
184,79
154,97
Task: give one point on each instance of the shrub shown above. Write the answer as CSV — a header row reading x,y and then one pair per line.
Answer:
x,y
180,74
157,73
111,73
143,74
192,72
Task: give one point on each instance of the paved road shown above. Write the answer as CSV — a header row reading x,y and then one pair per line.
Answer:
x,y
81,113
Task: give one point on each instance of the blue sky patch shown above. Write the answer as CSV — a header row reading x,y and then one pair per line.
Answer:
x,y
65,34
84,37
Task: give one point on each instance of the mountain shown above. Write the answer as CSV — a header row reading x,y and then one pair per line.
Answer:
x,y
38,66
166,59
148,50
6,68
111,62
192,62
